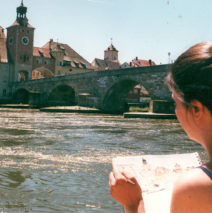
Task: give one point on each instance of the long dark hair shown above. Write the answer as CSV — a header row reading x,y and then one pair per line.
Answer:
x,y
191,75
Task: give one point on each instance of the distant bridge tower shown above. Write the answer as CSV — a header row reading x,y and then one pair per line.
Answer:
x,y
20,37
111,53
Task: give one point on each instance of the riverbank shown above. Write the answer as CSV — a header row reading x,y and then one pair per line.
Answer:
x,y
16,106
81,109
149,115
71,109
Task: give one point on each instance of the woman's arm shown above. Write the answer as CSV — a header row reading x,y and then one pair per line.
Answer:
x,y
125,189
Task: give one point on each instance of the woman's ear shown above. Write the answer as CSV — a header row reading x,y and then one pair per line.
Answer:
x,y
197,109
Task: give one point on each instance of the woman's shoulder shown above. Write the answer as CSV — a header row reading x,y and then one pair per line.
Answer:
x,y
192,192
194,177
193,181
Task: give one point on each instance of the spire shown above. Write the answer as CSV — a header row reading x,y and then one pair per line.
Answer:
x,y
21,15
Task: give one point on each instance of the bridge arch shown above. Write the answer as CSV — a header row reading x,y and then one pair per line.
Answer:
x,y
62,95
41,72
21,96
115,98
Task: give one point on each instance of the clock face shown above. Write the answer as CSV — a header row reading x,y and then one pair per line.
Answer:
x,y
25,40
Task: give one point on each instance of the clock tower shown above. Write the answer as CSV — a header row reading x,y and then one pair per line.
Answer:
x,y
20,37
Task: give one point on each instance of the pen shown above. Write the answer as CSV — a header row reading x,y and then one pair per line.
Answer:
x,y
129,181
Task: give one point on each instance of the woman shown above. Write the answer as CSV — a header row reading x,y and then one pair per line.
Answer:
x,y
190,82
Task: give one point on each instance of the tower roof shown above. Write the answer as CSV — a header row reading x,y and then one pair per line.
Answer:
x,y
22,10
21,19
111,48
16,23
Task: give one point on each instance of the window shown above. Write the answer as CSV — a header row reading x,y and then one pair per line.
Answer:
x,y
39,61
41,53
59,63
59,72
26,58
46,61
11,39
5,79
135,91
76,64
4,92
83,65
5,68
66,63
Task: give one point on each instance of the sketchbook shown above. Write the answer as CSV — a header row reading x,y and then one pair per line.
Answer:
x,y
156,175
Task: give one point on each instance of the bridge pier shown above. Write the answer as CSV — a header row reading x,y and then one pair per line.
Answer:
x,y
162,106
37,99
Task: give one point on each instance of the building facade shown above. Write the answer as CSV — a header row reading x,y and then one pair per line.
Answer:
x,y
21,61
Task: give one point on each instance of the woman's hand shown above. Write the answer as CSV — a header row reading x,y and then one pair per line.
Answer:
x,y
125,189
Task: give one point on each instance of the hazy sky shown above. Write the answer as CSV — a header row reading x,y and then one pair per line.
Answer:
x,y
146,29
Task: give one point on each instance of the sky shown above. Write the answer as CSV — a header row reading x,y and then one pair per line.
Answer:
x,y
147,29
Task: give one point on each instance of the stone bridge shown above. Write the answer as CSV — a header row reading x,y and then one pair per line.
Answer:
x,y
105,90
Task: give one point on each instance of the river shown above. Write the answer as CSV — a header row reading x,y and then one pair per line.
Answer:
x,y
53,162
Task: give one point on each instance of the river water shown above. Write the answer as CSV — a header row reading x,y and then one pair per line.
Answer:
x,y
59,162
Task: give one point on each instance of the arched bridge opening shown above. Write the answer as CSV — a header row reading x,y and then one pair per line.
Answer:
x,y
23,76
116,98
139,99
62,95
41,72
21,96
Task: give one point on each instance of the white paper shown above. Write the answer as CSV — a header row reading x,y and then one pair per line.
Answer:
x,y
156,175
